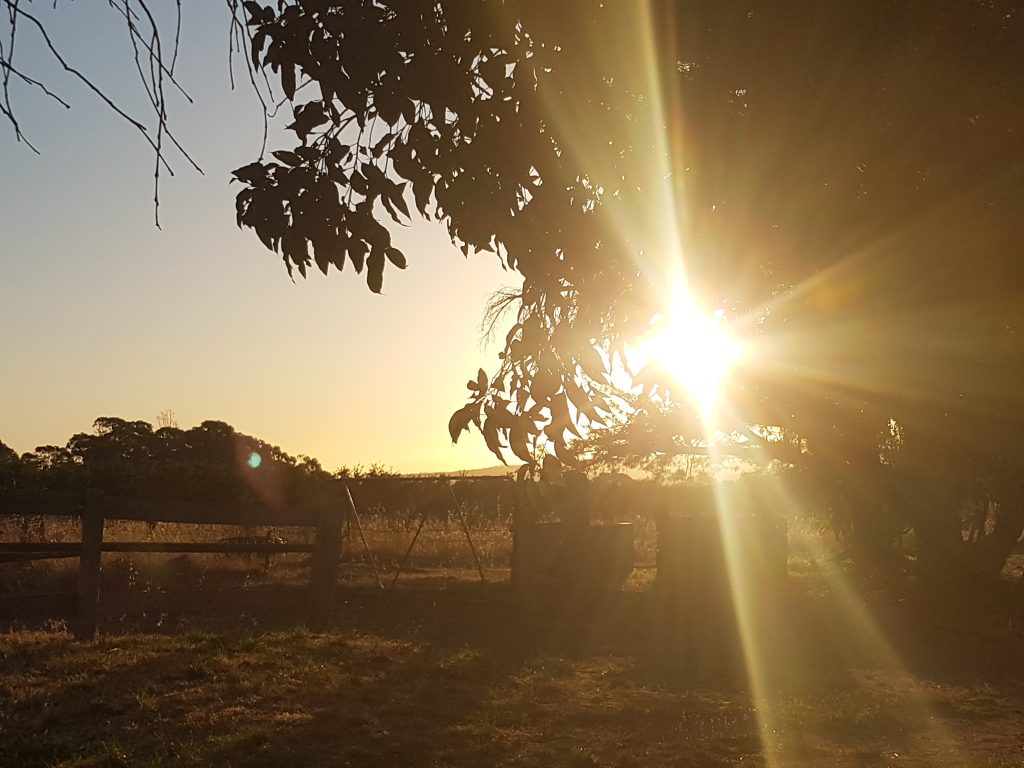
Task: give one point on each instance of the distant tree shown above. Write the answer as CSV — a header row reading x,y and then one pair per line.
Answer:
x,y
211,462
359,471
166,419
8,465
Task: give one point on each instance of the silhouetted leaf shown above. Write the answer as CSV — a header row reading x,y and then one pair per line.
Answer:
x,y
396,257
518,437
357,251
288,81
493,440
259,39
375,270
358,182
378,148
253,173
288,158
389,106
322,256
255,11
460,421
591,362
307,117
395,194
422,186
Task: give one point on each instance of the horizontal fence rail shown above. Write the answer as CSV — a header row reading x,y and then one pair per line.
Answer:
x,y
41,551
326,516
21,503
329,514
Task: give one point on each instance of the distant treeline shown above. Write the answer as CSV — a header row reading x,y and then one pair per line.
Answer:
x,y
215,463
212,462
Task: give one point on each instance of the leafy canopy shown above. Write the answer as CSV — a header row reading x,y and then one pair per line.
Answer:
x,y
842,178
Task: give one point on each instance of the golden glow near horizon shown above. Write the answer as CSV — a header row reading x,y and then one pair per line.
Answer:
x,y
695,348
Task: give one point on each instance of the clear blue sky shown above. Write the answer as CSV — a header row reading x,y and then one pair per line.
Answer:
x,y
104,315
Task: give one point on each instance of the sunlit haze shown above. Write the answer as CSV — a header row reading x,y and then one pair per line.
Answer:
x,y
694,347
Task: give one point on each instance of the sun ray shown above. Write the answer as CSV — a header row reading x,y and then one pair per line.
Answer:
x,y
695,348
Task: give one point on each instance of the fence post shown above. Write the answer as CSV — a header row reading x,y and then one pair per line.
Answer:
x,y
89,575
326,566
517,552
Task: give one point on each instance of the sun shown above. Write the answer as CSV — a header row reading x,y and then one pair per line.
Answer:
x,y
696,348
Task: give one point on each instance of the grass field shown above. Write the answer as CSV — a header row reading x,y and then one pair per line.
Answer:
x,y
448,672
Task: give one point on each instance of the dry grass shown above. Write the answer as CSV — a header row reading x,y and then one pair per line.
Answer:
x,y
443,548
203,660
451,673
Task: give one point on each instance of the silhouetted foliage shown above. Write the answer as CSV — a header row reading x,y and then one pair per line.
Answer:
x,y
211,462
8,465
837,174
214,463
844,179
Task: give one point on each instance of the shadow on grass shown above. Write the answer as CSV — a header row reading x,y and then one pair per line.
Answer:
x,y
464,676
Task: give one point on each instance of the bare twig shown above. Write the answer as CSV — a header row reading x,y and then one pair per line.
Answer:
x,y
152,81
6,61
13,6
156,77
131,18
240,32
177,35
6,65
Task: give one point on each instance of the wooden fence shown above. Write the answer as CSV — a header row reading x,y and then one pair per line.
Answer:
x,y
327,518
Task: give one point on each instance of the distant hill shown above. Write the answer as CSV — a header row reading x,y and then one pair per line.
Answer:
x,y
496,471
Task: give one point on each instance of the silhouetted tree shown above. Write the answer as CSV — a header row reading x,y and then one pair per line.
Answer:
x,y
845,179
820,173
8,465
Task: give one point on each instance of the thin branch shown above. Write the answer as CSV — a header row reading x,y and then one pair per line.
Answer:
x,y
241,33
6,64
157,73
134,37
177,36
130,17
9,114
7,109
156,81
13,5
498,305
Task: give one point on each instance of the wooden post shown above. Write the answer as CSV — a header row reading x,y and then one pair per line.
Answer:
x,y
517,575
326,566
89,575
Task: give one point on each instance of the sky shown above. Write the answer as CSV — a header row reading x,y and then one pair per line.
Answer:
x,y
103,314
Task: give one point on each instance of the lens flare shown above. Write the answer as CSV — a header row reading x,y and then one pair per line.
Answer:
x,y
696,349
254,460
